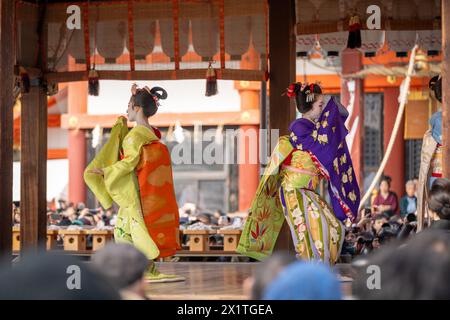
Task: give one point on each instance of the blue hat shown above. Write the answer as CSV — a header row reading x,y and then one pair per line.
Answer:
x,y
304,281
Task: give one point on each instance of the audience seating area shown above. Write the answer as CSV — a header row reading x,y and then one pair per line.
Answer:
x,y
76,240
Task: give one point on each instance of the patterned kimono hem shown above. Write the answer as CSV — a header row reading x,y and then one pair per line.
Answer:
x,y
251,254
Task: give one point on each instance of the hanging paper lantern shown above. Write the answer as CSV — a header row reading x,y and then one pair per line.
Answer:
x,y
76,45
372,41
111,39
144,38
258,29
333,42
56,45
205,37
237,36
166,31
108,25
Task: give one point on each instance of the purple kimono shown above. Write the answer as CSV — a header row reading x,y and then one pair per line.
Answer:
x,y
325,141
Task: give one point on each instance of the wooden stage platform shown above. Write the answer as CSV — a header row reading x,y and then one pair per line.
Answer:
x,y
215,281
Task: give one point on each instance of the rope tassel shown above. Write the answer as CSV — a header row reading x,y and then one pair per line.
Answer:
x,y
94,85
354,33
211,81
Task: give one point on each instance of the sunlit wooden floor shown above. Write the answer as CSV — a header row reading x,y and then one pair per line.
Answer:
x,y
211,281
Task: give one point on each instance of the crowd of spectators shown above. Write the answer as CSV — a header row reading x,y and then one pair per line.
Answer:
x,y
64,214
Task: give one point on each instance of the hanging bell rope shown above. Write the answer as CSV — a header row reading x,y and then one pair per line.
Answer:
x,y
402,99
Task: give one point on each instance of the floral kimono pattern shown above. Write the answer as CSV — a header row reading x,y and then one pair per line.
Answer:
x,y
287,191
150,225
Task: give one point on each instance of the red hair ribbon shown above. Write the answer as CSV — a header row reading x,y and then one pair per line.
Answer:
x,y
291,91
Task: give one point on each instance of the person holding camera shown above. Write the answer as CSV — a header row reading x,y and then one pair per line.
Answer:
x,y
409,225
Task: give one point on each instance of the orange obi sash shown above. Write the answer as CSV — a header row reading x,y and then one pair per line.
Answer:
x,y
158,201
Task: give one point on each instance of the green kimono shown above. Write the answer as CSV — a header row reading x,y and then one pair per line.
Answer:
x,y
120,184
286,192
266,215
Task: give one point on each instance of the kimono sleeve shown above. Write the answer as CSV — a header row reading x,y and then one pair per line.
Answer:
x,y
108,155
116,176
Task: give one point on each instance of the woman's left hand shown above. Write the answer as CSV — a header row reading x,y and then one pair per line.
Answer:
x,y
96,171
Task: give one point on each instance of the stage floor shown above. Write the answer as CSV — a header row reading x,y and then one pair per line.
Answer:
x,y
213,281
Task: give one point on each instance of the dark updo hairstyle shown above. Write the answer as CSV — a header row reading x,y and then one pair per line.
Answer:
x,y
304,98
148,99
439,198
435,85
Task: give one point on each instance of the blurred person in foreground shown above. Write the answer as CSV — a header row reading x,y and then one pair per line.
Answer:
x,y
303,280
50,276
418,270
439,204
124,266
265,272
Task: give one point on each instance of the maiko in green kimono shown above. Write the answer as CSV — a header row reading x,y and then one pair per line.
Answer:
x,y
315,149
133,169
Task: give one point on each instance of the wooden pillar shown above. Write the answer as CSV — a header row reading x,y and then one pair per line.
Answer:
x,y
249,169
76,153
249,92
282,55
33,203
6,125
395,167
352,62
446,87
282,63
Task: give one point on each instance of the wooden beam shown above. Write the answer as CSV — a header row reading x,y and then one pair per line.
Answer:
x,y
6,125
446,87
334,25
89,121
57,154
184,74
33,204
282,55
282,63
